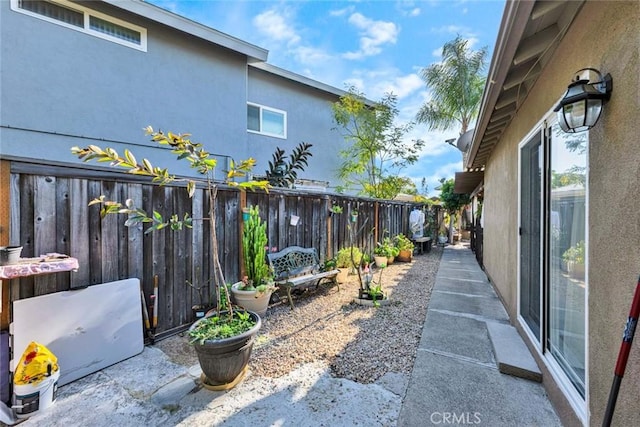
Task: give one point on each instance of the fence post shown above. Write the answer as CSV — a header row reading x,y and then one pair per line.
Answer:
x,y
329,205
241,207
376,213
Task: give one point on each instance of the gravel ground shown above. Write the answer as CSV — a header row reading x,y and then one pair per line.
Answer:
x,y
358,343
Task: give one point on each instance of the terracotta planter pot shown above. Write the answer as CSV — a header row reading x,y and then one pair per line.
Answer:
x,y
222,361
251,300
405,256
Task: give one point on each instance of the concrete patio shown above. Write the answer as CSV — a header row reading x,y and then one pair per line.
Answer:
x,y
456,379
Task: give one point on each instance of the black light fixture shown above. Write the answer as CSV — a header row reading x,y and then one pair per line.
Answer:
x,y
580,108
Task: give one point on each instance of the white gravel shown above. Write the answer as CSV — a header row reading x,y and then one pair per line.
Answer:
x,y
357,343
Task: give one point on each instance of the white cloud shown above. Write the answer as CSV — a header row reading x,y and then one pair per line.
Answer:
x,y
408,8
373,35
274,25
451,29
402,86
308,55
342,12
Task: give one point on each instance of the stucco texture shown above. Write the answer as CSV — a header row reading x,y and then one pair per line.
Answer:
x,y
605,36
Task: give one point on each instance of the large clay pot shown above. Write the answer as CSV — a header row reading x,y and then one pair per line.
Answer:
x,y
224,360
251,300
405,256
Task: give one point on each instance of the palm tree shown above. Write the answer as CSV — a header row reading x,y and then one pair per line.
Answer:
x,y
456,85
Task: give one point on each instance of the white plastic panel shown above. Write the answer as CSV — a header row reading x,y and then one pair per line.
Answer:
x,y
86,329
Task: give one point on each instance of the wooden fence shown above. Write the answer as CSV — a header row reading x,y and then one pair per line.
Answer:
x,y
50,213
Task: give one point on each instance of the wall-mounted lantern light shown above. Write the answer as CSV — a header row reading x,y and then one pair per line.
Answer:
x,y
580,108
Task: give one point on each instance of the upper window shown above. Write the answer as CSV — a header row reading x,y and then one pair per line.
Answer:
x,y
86,20
267,121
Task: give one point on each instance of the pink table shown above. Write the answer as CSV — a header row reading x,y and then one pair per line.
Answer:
x,y
44,264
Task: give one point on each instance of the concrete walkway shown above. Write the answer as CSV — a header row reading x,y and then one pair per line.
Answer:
x,y
455,378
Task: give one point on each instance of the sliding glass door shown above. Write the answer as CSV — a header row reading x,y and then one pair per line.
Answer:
x,y
553,245
567,249
530,232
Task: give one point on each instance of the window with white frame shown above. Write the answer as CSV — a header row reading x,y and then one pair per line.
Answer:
x,y
266,121
80,18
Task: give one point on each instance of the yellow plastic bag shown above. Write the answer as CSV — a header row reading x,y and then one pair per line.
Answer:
x,y
36,364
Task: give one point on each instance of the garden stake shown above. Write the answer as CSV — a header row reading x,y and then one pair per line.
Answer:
x,y
155,304
152,330
145,312
623,355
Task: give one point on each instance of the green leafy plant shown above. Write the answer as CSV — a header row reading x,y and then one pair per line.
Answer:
x,y
336,209
377,149
329,264
403,243
204,163
575,253
385,248
282,173
348,256
375,291
216,327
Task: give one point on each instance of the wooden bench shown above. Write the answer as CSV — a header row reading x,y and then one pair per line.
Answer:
x,y
421,242
298,267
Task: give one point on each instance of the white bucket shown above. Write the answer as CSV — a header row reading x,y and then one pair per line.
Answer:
x,y
30,399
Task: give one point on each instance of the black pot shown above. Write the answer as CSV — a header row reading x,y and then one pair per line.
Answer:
x,y
365,295
222,361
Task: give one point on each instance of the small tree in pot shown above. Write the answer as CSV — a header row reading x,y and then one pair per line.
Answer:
x,y
223,341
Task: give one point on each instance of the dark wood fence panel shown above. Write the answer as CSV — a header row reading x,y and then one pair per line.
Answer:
x,y
50,213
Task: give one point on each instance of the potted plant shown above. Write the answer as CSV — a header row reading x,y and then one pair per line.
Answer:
x,y
405,248
223,340
335,209
383,251
329,264
370,292
347,260
573,258
254,291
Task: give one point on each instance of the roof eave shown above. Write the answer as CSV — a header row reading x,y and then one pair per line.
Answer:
x,y
512,27
162,16
297,78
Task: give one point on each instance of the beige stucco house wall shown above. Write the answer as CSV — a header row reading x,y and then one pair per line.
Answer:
x,y
606,36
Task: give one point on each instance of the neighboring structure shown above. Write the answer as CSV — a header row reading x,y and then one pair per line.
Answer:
x,y
560,209
77,73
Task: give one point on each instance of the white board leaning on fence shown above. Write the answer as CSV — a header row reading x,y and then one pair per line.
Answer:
x,y
86,329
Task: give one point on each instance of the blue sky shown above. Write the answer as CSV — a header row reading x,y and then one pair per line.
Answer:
x,y
377,46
